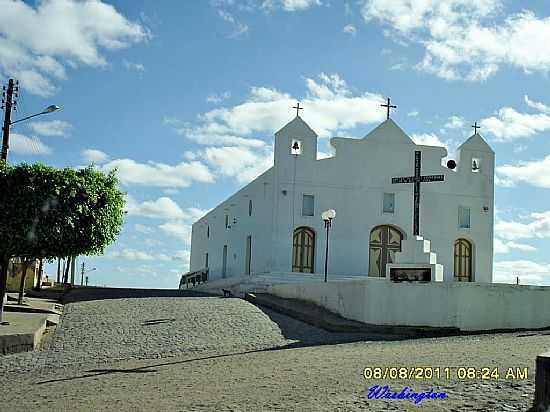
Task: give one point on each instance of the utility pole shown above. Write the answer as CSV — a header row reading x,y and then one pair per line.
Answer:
x,y
82,274
8,103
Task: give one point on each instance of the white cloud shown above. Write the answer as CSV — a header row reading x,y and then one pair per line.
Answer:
x,y
502,247
509,124
163,207
37,42
138,67
413,113
218,98
94,156
465,39
534,173
179,230
296,5
51,128
350,29
541,107
24,145
529,272
239,162
428,139
455,122
539,227
330,106
238,27
156,174
132,254
138,227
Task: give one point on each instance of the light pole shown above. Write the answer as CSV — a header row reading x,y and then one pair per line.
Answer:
x,y
327,216
83,271
10,104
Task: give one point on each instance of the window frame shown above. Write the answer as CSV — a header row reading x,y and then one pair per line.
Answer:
x,y
312,196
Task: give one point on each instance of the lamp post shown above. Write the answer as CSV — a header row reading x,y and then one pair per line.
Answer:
x,y
327,216
83,271
10,105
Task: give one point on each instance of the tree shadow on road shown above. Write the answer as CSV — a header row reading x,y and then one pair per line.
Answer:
x,y
93,373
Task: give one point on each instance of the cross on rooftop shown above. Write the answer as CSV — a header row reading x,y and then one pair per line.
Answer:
x,y
388,106
475,126
298,108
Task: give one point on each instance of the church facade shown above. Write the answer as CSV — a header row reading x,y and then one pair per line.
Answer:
x,y
274,223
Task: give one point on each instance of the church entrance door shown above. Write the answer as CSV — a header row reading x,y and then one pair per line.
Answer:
x,y
385,241
303,250
463,261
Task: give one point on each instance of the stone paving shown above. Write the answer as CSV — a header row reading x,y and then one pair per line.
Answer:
x,y
213,354
97,331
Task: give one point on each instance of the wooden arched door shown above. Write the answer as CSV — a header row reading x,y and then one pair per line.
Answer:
x,y
303,250
463,261
385,241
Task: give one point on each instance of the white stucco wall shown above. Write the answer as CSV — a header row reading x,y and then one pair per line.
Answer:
x,y
353,183
467,306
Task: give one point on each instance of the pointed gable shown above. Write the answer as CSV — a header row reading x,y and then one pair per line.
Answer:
x,y
476,143
388,132
297,127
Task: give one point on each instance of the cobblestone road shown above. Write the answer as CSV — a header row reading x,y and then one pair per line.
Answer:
x,y
204,354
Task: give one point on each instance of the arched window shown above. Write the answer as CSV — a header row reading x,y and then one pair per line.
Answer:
x,y
385,241
463,261
303,250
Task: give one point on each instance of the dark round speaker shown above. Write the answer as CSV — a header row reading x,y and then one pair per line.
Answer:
x,y
451,164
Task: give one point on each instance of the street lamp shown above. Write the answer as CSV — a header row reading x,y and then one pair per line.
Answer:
x,y
83,272
327,216
10,103
50,109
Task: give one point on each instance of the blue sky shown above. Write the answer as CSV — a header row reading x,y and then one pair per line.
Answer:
x,y
183,98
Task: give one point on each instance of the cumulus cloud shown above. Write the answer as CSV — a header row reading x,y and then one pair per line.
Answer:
x,y
466,39
178,229
350,29
503,247
161,208
38,41
455,122
529,272
94,156
330,107
242,163
51,128
296,5
25,145
157,174
534,173
428,139
538,227
132,254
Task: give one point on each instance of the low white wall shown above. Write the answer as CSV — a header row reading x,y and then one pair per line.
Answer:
x,y
468,306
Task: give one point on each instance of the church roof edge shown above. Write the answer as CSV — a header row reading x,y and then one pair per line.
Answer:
x,y
296,122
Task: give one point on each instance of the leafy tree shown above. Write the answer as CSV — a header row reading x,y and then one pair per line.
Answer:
x,y
47,213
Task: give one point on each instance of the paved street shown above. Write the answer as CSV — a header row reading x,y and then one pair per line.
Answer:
x,y
200,353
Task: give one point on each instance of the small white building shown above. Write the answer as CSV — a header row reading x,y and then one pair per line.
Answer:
x,y
274,223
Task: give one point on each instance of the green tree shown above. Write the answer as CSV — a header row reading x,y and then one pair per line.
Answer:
x,y
47,213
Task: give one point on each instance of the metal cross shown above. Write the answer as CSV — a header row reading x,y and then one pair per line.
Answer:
x,y
388,106
475,126
417,179
298,108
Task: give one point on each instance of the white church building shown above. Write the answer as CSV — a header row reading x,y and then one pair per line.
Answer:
x,y
274,224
